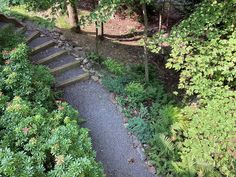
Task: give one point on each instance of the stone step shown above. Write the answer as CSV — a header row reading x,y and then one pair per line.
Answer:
x,y
21,29
42,47
65,67
73,80
51,58
32,36
38,41
7,25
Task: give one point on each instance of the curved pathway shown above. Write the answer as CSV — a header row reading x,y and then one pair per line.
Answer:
x,y
109,137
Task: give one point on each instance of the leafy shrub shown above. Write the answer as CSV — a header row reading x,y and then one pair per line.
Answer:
x,y
140,128
20,78
114,67
116,85
163,151
9,38
95,57
203,51
209,145
135,92
36,142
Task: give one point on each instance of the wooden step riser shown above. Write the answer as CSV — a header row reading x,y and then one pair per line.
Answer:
x,y
42,47
69,82
66,67
33,36
50,58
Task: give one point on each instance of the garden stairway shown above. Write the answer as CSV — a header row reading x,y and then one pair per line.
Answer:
x,y
111,141
44,50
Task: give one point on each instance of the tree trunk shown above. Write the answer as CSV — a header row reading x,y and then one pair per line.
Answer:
x,y
160,22
97,39
73,16
168,14
102,31
145,42
96,29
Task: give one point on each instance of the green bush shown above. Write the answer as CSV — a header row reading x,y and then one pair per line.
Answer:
x,y
209,146
163,151
203,51
115,84
95,57
20,78
9,38
135,92
35,142
114,67
140,128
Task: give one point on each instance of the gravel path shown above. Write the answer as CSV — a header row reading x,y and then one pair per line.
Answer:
x,y
109,137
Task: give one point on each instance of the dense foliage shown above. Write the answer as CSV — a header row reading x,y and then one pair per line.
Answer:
x,y
203,49
196,139
201,136
39,136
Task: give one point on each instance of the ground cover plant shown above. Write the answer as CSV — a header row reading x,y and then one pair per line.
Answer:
x,y
39,135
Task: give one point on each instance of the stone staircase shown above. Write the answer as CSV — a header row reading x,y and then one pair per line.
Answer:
x,y
45,51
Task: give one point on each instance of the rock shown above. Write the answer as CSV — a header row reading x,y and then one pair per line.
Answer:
x,y
131,160
126,125
79,59
145,145
75,43
42,35
85,61
75,55
136,143
149,163
68,48
99,74
88,65
85,70
113,99
92,72
78,48
62,38
57,30
141,153
125,119
100,81
152,170
95,78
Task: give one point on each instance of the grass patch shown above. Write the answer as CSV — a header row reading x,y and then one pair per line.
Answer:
x,y
21,13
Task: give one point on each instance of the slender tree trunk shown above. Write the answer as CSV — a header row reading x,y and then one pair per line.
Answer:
x,y
102,31
96,30
145,42
168,13
160,22
73,16
97,39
